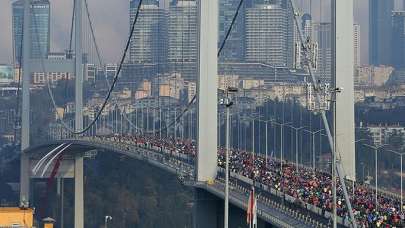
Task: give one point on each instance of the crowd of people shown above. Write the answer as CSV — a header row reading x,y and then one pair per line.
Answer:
x,y
305,184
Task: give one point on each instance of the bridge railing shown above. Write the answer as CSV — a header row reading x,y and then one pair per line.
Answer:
x,y
181,164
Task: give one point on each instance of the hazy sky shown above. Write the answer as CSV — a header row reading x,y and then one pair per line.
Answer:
x,y
111,24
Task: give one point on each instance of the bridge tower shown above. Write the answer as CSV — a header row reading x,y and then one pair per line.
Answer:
x,y
30,66
207,90
206,207
343,75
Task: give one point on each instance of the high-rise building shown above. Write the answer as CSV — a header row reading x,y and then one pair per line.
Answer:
x,y
235,45
356,40
322,36
164,4
267,36
90,72
40,28
183,38
110,71
148,42
380,31
398,39
306,25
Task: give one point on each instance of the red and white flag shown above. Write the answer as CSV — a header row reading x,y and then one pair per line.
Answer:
x,y
255,212
251,218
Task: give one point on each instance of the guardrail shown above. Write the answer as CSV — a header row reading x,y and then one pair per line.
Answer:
x,y
179,164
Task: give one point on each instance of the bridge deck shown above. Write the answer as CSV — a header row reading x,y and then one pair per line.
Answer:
x,y
268,210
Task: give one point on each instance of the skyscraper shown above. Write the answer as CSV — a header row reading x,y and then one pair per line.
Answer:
x,y
398,39
235,45
323,36
307,25
183,36
266,35
148,42
380,31
164,4
40,27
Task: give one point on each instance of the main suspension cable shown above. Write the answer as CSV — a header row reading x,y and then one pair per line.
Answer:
x,y
111,87
93,33
71,29
223,43
120,68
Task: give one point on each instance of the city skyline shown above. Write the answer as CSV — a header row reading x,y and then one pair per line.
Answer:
x,y
111,30
283,107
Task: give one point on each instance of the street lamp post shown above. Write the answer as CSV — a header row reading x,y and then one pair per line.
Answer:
x,y
282,152
266,141
313,133
375,148
362,163
362,166
401,166
296,144
282,142
228,103
266,145
106,219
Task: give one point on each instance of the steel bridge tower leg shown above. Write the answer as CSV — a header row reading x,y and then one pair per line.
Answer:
x,y
25,123
79,198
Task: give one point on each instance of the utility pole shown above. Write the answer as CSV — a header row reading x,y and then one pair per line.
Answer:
x,y
228,103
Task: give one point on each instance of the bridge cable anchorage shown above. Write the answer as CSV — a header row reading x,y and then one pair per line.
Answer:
x,y
223,43
323,114
111,87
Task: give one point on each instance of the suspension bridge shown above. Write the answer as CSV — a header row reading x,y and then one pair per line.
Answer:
x,y
191,140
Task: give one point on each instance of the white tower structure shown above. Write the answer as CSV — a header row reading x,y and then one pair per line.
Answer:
x,y
207,90
74,66
343,74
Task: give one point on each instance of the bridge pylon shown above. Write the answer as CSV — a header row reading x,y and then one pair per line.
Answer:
x,y
343,75
206,207
207,91
30,66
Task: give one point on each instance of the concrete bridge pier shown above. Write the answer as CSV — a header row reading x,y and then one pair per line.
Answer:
x,y
24,181
79,189
70,167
